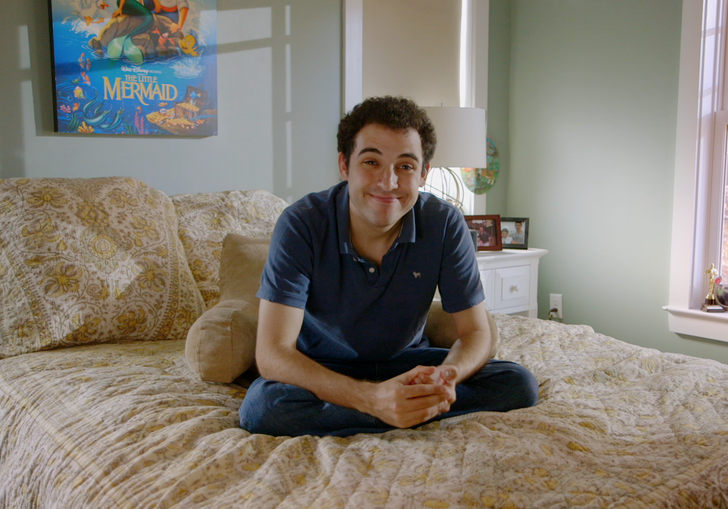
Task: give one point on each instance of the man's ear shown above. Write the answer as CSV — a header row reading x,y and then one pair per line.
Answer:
x,y
425,172
343,170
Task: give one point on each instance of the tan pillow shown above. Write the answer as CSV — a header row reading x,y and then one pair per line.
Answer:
x,y
90,260
221,344
441,331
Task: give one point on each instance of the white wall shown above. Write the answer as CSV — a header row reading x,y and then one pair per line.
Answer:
x,y
252,150
593,105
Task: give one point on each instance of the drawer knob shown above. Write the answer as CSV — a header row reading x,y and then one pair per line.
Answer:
x,y
514,288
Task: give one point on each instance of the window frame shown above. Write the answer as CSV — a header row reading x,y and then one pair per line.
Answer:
x,y
700,159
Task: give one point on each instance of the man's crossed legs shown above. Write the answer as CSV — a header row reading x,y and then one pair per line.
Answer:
x,y
279,409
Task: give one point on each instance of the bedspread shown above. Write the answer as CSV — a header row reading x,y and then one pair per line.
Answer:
x,y
129,425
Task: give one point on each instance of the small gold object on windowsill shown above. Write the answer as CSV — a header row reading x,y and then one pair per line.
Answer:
x,y
711,304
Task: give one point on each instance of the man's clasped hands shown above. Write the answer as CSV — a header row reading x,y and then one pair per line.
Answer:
x,y
416,396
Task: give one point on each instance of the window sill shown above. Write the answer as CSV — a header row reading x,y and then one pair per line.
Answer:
x,y
698,323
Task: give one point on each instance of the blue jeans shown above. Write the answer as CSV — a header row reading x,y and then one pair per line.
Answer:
x,y
279,409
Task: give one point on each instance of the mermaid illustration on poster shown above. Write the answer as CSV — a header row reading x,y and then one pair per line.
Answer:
x,y
137,67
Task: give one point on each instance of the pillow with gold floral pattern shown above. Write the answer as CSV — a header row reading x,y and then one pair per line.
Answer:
x,y
90,261
206,218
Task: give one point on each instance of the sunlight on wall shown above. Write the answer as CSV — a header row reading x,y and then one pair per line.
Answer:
x,y
245,25
241,156
251,92
279,91
23,47
289,108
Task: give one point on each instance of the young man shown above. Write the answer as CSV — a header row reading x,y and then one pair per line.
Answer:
x,y
519,237
346,290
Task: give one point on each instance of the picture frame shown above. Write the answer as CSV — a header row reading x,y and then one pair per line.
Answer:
x,y
134,70
514,232
488,229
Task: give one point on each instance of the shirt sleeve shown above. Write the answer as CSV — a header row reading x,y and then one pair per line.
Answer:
x,y
460,284
287,273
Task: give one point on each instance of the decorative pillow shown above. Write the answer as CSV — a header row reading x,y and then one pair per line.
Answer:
x,y
441,330
205,219
221,344
90,260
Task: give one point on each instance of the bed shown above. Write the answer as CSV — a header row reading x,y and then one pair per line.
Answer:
x,y
125,421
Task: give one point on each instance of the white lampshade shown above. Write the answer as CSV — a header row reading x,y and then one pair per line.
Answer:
x,y
461,137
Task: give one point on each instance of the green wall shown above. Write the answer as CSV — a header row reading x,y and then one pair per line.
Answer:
x,y
499,95
591,134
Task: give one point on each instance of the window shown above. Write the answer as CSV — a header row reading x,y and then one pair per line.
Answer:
x,y
724,244
701,164
719,200
715,97
378,65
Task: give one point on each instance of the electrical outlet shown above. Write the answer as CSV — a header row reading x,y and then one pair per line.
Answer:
x,y
556,306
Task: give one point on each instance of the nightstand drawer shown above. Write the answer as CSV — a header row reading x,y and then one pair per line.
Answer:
x,y
510,280
512,287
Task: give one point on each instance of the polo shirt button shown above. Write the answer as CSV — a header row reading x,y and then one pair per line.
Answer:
x,y
371,269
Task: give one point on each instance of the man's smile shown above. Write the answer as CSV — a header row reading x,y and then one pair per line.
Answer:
x,y
385,198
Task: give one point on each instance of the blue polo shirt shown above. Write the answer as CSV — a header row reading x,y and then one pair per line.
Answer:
x,y
353,310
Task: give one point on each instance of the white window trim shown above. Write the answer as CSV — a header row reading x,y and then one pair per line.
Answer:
x,y
467,82
691,205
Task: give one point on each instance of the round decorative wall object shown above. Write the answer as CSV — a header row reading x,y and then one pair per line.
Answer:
x,y
480,180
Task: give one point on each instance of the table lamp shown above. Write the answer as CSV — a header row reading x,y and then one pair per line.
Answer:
x,y
461,143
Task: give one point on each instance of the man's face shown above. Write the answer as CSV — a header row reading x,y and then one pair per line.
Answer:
x,y
385,173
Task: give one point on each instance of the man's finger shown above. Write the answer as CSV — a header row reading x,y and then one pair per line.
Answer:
x,y
419,375
449,374
419,391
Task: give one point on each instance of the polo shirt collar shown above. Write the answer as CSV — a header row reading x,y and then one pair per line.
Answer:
x,y
408,233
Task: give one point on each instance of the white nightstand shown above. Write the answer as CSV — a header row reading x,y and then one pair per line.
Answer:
x,y
510,280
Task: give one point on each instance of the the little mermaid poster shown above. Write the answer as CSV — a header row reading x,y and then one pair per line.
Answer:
x,y
138,67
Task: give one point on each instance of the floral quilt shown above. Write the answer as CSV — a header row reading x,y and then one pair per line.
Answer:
x,y
127,424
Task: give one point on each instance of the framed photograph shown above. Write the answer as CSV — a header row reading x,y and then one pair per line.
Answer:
x,y
487,228
514,231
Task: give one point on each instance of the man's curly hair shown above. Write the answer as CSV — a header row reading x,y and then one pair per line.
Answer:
x,y
396,113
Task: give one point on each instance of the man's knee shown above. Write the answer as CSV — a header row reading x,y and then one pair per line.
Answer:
x,y
528,384
516,385
272,408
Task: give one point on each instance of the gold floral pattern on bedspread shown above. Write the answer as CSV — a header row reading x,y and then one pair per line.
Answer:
x,y
206,218
90,260
129,425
